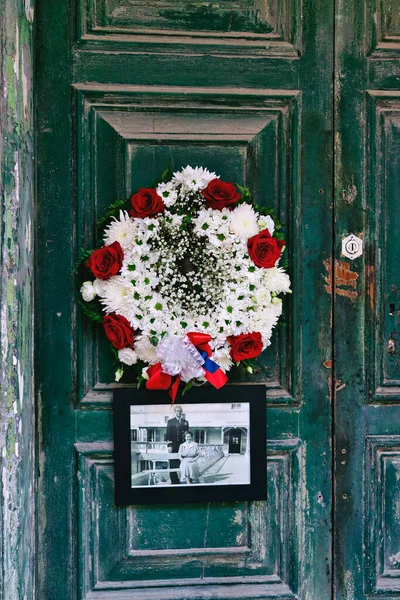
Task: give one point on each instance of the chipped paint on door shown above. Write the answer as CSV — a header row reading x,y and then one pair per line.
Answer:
x,y
17,433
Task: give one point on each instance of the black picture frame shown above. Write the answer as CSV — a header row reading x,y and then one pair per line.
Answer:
x,y
234,395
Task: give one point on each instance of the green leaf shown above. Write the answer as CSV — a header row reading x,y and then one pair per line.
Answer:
x,y
245,195
187,387
112,211
92,310
140,380
83,257
165,176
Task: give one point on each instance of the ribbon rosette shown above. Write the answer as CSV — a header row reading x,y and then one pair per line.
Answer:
x,y
186,358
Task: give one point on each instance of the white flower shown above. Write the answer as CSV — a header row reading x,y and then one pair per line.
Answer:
x,y
145,374
127,356
168,193
266,222
88,292
98,285
262,296
244,221
123,231
118,296
193,179
223,359
145,350
277,280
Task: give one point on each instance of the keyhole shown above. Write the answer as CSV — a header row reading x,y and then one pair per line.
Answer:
x,y
392,309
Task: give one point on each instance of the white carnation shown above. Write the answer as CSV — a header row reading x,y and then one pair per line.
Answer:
x,y
88,292
123,231
262,296
243,221
127,356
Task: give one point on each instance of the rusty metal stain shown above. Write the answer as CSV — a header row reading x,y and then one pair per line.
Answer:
x,y
345,279
370,284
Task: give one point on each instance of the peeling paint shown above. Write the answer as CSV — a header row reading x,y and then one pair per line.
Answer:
x,y
349,585
16,300
395,559
345,279
349,193
238,520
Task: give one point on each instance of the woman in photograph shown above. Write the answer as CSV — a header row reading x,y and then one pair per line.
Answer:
x,y
189,453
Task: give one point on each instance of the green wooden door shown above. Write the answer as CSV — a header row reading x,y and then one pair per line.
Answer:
x,y
367,304
244,88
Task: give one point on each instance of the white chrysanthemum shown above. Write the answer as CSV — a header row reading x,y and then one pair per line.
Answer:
x,y
123,231
88,292
243,221
193,178
145,350
266,222
223,359
277,280
118,296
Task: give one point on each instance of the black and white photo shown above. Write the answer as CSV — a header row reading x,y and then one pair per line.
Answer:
x,y
190,444
209,445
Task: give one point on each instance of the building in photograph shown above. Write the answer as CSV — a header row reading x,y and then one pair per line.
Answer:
x,y
220,430
222,424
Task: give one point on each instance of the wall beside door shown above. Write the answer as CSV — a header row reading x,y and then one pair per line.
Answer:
x,y
17,433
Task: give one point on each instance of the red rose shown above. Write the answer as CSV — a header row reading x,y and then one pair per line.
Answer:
x,y
220,194
107,261
118,331
245,345
146,203
264,250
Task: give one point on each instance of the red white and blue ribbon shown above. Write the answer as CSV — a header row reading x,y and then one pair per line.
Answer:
x,y
186,358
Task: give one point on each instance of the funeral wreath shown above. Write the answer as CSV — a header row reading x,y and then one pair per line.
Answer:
x,y
186,282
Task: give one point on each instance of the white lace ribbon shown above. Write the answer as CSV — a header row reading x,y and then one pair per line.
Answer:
x,y
179,356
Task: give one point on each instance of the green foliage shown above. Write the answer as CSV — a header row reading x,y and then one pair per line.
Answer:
x,y
83,257
187,387
112,211
92,310
165,176
140,380
245,195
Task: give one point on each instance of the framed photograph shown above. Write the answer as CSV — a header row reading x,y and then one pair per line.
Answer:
x,y
208,446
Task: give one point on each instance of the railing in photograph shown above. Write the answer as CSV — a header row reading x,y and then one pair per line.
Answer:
x,y
209,454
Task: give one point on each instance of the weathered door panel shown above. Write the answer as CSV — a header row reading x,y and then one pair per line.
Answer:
x,y
366,322
122,87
